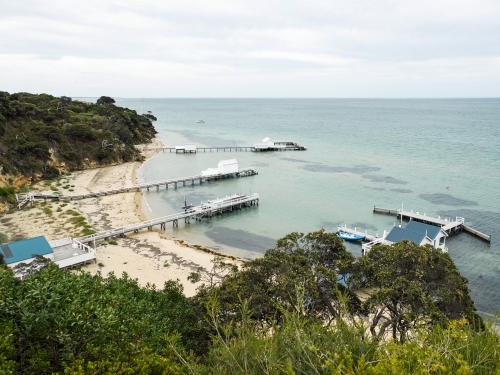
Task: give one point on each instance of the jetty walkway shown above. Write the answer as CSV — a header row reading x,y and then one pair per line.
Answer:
x,y
28,198
206,210
279,146
450,226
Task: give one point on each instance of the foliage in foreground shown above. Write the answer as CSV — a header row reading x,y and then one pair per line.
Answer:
x,y
301,345
57,317
294,311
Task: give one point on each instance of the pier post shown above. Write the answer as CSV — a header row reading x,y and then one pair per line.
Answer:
x,y
175,224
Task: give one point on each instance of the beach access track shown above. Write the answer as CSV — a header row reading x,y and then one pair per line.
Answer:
x,y
24,199
206,210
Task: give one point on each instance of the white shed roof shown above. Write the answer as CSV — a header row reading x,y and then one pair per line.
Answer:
x,y
265,140
228,162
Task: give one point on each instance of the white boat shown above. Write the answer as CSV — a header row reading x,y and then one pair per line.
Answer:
x,y
200,122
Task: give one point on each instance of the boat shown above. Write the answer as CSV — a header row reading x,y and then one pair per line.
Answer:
x,y
200,122
350,236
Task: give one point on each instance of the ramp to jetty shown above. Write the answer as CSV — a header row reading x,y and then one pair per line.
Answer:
x,y
206,210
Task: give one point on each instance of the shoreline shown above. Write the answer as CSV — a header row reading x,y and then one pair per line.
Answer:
x,y
151,257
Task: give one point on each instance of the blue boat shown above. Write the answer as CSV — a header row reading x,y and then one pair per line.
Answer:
x,y
349,236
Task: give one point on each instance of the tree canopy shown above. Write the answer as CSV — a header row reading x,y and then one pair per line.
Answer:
x,y
38,132
412,286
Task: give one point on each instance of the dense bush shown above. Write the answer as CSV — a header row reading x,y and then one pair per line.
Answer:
x,y
33,126
58,317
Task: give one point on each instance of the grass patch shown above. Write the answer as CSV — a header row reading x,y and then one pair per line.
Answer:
x,y
71,190
47,182
59,209
53,188
166,264
100,264
113,242
87,232
72,212
47,211
77,221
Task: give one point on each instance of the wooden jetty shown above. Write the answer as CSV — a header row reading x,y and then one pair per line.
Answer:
x,y
450,226
25,199
284,147
206,210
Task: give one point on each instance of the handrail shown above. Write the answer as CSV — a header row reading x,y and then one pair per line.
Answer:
x,y
235,200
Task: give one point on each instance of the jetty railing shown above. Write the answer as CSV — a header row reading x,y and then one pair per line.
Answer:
x,y
450,226
205,210
24,199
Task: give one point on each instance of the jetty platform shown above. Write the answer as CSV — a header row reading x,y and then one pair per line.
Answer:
x,y
449,225
206,210
280,146
28,198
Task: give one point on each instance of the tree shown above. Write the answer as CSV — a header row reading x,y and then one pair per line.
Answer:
x,y
303,272
105,100
220,270
411,286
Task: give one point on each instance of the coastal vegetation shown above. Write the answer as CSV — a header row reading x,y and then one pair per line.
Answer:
x,y
307,306
42,136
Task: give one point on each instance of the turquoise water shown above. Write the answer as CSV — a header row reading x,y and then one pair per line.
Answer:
x,y
360,153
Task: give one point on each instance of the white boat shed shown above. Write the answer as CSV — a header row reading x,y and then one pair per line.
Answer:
x,y
187,148
224,167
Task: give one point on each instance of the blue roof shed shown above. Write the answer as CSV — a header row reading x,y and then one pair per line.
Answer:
x,y
25,249
414,231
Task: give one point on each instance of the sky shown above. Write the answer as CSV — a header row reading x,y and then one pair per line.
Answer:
x,y
254,48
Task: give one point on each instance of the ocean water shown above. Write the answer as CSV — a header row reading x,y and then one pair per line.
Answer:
x,y
435,156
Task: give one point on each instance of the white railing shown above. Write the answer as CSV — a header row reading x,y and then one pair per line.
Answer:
x,y
76,259
61,242
181,215
84,247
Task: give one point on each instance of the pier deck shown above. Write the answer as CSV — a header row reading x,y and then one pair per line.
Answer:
x,y
25,199
450,226
206,210
227,148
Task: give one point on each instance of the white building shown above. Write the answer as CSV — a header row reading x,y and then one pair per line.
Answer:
x,y
188,147
265,144
224,167
419,233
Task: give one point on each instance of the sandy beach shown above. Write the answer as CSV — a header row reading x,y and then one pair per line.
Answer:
x,y
148,256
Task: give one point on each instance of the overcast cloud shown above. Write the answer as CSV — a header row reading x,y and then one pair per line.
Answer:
x,y
424,48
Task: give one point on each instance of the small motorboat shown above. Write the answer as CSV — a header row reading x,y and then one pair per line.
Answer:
x,y
200,122
349,236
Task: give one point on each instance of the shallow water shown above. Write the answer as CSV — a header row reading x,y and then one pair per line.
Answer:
x,y
439,157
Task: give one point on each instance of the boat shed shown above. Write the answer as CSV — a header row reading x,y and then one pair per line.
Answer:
x,y
420,233
266,144
223,168
228,166
25,250
187,148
